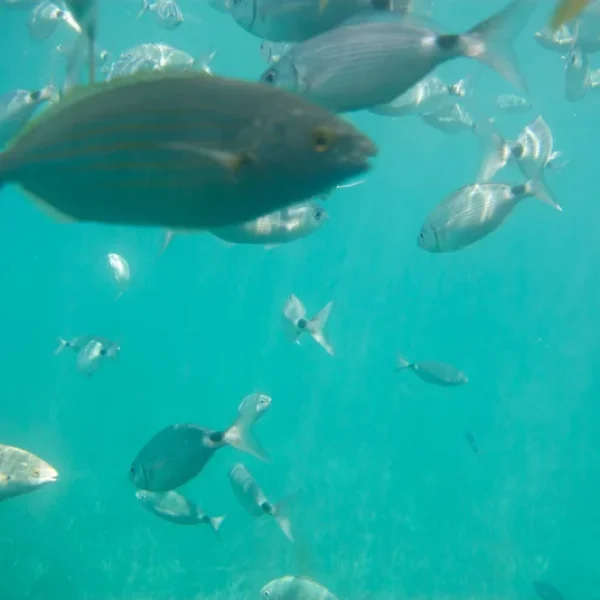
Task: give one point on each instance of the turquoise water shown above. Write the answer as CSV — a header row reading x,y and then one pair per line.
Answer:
x,y
394,504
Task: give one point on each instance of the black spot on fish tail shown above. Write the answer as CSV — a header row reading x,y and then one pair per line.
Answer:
x,y
35,95
519,190
216,437
448,42
267,508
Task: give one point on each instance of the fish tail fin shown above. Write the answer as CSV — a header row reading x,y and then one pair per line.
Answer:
x,y
145,8
317,327
68,18
403,364
538,189
490,41
461,88
241,436
204,61
496,151
556,161
281,513
166,241
215,523
62,344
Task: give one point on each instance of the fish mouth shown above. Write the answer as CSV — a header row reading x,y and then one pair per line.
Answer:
x,y
51,477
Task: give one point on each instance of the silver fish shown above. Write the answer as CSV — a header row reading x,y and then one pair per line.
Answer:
x,y
175,508
46,17
120,270
450,119
253,499
280,227
111,349
365,63
292,587
253,407
429,95
296,323
510,103
90,357
221,151
577,70
22,472
560,40
18,107
168,13
470,214
433,372
178,453
531,152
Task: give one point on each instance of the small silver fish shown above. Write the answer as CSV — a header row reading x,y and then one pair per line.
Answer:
x,y
175,508
178,453
296,323
90,357
557,41
531,152
292,587
168,13
253,499
111,348
22,472
18,107
369,62
450,119
427,96
46,17
253,407
510,103
120,270
473,212
433,372
280,227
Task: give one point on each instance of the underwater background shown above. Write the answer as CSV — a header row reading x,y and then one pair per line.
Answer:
x,y
392,503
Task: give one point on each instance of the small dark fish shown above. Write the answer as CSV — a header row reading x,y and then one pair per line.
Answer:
x,y
181,150
547,591
178,453
175,508
253,499
470,439
433,372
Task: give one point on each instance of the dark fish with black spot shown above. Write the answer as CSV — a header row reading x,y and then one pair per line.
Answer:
x,y
178,453
182,150
369,61
254,500
434,372
546,591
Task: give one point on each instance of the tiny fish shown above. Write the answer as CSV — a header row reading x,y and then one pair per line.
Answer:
x,y
560,40
120,270
296,323
253,407
368,62
473,212
451,119
433,372
470,439
292,587
178,453
510,103
111,348
222,151
546,591
167,12
45,19
18,107
22,472
427,96
175,508
253,499
280,227
90,357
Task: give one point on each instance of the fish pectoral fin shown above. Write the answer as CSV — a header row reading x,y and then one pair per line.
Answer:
x,y
229,161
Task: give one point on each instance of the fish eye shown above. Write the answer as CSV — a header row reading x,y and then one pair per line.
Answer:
x,y
266,594
270,76
35,472
318,214
322,139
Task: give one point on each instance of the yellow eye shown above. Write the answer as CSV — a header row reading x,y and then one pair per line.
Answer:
x,y
322,139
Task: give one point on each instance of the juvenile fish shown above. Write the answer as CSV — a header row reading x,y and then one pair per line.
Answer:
x,y
280,227
168,13
296,323
112,349
175,508
90,357
471,213
18,107
253,499
204,152
368,62
178,453
292,587
510,103
120,271
450,119
433,372
22,472
45,19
